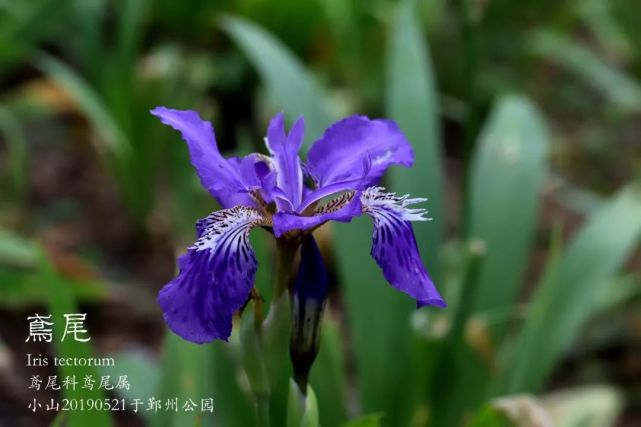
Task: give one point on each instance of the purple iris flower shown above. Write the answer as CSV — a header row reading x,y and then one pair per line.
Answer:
x,y
291,198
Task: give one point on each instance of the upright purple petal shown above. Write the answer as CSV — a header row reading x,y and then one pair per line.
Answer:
x,y
284,149
219,176
394,245
258,172
357,148
216,276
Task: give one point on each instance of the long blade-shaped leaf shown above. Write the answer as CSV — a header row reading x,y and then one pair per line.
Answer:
x,y
61,302
17,146
114,139
128,163
507,173
615,85
185,369
328,376
292,87
379,324
572,291
24,24
412,101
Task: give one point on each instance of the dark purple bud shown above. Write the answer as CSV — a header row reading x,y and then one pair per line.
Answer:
x,y
308,302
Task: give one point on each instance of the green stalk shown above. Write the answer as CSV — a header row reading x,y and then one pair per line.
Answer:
x,y
262,410
285,266
254,362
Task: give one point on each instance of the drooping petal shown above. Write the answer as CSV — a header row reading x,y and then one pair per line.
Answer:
x,y
394,245
216,276
342,208
284,149
219,176
349,144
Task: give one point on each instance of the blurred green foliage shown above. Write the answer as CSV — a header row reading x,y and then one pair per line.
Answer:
x,y
503,101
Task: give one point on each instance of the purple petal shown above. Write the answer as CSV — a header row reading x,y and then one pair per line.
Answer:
x,y
339,155
258,172
394,245
284,150
216,276
219,176
342,209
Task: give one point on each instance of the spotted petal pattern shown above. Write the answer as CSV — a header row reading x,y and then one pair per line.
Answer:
x,y
288,196
341,208
216,276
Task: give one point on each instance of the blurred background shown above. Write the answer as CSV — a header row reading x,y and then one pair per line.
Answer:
x,y
525,120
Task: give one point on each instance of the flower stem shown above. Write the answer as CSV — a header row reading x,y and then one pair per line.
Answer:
x,y
262,410
253,358
285,266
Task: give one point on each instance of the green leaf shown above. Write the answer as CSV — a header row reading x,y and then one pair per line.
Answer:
x,y
291,86
275,336
142,373
512,411
379,321
572,291
61,302
412,100
17,147
302,411
235,407
370,420
252,354
24,288
457,383
628,18
59,420
275,344
328,374
114,141
507,173
622,90
17,251
185,369
295,405
372,305
599,18
20,273
129,163
488,416
132,15
24,24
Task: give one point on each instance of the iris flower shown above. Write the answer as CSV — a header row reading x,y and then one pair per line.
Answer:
x,y
289,198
